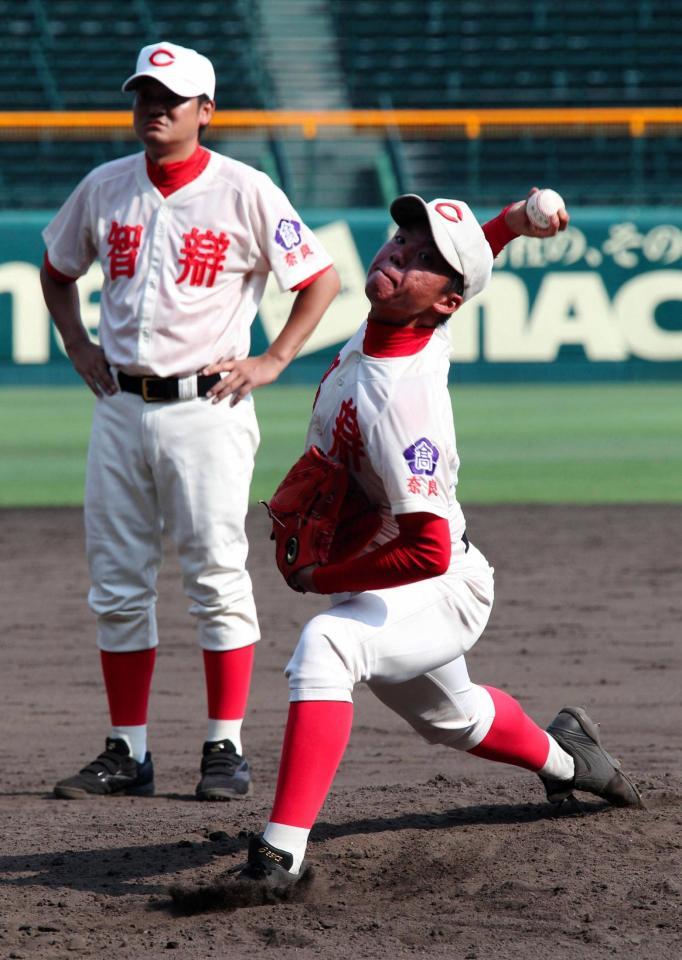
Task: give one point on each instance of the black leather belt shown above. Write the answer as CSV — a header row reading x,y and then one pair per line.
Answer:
x,y
154,389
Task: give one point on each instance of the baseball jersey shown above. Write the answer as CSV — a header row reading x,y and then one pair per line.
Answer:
x,y
389,419
183,274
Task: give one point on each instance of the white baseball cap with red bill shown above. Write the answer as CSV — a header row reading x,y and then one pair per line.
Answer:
x,y
457,234
182,70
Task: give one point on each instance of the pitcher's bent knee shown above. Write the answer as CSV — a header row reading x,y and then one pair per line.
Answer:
x,y
318,669
463,730
456,717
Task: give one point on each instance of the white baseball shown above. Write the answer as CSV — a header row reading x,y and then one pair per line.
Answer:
x,y
542,205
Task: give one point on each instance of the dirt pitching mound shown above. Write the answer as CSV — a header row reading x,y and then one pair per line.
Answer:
x,y
419,851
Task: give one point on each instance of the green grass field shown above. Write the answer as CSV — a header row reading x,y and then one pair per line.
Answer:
x,y
607,443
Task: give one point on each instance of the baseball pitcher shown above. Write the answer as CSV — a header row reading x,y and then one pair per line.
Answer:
x,y
409,602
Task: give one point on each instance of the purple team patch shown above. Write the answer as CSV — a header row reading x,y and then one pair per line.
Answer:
x,y
422,457
288,234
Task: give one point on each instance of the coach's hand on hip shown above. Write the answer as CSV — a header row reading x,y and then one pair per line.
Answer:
x,y
251,372
242,376
91,364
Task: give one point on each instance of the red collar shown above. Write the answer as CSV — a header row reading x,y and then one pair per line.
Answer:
x,y
385,340
169,177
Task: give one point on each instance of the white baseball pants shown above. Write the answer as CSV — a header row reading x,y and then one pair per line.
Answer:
x,y
408,644
184,467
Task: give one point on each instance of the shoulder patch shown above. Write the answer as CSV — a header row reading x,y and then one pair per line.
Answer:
x,y
422,457
288,234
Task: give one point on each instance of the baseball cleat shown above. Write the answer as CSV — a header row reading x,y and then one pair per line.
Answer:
x,y
268,868
225,774
596,771
265,878
114,771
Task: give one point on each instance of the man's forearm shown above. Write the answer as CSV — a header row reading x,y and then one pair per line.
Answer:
x,y
87,358
307,311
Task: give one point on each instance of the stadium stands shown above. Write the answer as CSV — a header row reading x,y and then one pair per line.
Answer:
x,y
511,52
40,173
73,54
613,170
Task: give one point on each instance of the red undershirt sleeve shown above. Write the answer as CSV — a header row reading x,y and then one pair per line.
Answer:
x,y
421,550
497,233
306,283
54,273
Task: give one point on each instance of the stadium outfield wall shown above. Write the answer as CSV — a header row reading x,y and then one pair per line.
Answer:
x,y
602,301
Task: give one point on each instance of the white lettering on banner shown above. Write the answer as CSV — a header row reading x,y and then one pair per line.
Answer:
x,y
626,246
508,335
574,308
464,329
499,326
634,307
661,244
566,248
347,311
503,310
30,320
570,308
30,317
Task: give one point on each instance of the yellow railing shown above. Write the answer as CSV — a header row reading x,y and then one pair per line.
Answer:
x,y
632,121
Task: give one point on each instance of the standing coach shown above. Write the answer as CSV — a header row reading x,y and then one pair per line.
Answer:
x,y
186,238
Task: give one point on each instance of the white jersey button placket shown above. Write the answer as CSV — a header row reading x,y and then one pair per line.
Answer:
x,y
159,230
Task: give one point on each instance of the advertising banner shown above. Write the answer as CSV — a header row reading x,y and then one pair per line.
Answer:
x,y
601,301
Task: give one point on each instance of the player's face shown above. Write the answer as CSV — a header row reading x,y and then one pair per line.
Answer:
x,y
166,123
408,280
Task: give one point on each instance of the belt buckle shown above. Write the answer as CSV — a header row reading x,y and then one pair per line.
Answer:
x,y
145,396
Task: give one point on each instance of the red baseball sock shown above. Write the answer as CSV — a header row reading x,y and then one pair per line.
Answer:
x,y
314,742
128,679
513,736
228,678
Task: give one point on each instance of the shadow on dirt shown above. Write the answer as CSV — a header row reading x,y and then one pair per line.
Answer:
x,y
116,872
119,872
482,814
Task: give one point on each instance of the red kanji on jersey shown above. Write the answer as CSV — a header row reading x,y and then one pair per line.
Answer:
x,y
414,484
306,251
433,488
124,246
348,446
290,259
204,257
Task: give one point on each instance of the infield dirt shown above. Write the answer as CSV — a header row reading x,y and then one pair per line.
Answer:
x,y
420,851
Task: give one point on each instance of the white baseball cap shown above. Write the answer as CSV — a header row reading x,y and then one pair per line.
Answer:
x,y
184,71
457,234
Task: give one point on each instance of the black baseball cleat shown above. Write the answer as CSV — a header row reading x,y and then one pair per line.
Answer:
x,y
114,771
596,771
265,878
268,868
225,773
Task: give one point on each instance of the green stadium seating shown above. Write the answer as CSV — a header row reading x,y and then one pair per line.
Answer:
x,y
615,170
74,54
79,52
510,52
41,173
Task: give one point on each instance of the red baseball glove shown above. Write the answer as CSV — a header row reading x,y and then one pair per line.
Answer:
x,y
318,514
